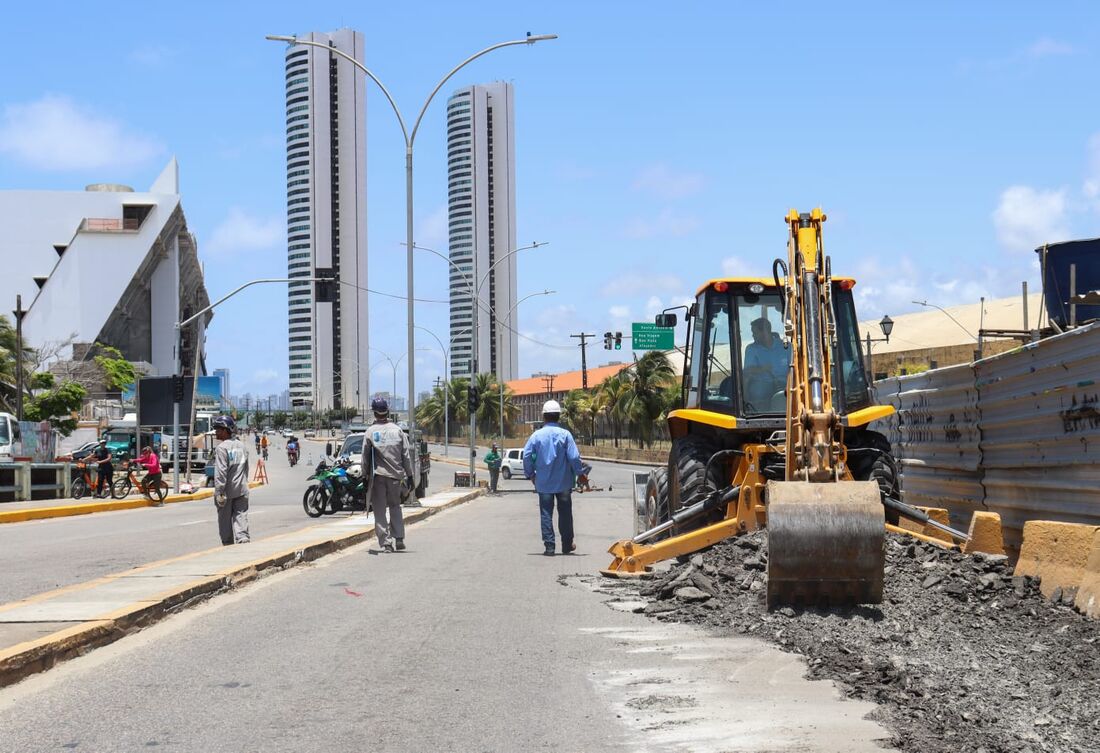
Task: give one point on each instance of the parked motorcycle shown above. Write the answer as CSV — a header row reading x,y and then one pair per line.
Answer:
x,y
340,486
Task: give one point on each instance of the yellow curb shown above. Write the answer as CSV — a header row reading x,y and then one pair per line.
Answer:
x,y
40,654
1057,553
113,505
920,536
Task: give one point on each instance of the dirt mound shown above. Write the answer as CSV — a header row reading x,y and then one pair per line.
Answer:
x,y
961,656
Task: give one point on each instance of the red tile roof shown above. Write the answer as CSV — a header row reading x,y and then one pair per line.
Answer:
x,y
570,380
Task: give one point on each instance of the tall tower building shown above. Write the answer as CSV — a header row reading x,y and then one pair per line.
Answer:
x,y
481,191
326,199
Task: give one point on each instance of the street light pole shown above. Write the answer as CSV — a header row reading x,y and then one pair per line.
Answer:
x,y
500,409
446,392
176,368
410,139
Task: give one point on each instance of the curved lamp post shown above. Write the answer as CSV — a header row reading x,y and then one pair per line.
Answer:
x,y
410,139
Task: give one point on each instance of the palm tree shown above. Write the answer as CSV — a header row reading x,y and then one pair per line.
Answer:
x,y
574,411
609,398
645,402
489,408
8,377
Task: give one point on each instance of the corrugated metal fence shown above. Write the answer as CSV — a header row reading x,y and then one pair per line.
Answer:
x,y
1018,434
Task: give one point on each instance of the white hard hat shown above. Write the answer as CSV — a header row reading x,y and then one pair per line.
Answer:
x,y
551,406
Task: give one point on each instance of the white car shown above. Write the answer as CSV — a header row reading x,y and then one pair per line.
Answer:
x,y
511,463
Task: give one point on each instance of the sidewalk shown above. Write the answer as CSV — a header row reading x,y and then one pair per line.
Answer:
x,y
42,630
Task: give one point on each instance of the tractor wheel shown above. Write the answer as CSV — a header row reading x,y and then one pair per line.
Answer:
x,y
654,509
884,473
869,459
688,479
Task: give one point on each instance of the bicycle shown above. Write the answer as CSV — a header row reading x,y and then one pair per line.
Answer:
x,y
85,484
122,487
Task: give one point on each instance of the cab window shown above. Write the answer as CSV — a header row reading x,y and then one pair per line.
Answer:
x,y
765,356
849,377
717,371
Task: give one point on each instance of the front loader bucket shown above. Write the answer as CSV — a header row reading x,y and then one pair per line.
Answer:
x,y
825,543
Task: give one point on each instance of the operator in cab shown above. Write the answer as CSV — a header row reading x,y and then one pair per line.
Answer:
x,y
766,364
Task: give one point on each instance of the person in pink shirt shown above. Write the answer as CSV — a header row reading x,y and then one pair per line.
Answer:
x,y
151,463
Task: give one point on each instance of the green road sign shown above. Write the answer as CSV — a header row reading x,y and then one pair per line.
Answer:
x,y
648,336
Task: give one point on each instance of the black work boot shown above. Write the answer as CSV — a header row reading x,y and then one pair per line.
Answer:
x,y
401,545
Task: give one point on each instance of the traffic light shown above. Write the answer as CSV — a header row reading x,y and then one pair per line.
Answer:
x,y
607,341
473,399
177,388
618,341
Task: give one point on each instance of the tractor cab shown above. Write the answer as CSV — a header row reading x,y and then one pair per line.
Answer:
x,y
738,353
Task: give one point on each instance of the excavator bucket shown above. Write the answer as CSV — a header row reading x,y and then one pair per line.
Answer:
x,y
825,543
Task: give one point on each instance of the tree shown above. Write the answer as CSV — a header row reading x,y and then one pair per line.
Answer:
x,y
118,373
8,376
579,412
644,403
300,419
258,418
489,408
279,419
53,402
609,398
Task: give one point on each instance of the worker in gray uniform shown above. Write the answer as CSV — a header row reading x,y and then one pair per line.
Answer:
x,y
230,483
387,455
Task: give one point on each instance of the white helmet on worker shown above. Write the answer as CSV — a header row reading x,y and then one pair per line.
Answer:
x,y
551,406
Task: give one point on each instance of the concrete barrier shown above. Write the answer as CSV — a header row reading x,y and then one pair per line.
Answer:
x,y
1058,553
985,533
1088,594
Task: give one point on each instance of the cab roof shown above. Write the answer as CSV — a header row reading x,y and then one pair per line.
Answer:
x,y
767,282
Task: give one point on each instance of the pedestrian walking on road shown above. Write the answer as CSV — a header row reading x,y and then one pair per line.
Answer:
x,y
231,483
492,460
388,456
105,471
551,459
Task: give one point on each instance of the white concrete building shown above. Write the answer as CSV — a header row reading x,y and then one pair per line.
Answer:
x,y
326,181
481,193
107,265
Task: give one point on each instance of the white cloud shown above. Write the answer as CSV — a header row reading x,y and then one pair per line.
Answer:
x,y
1045,47
1027,217
151,54
1091,188
54,133
639,284
734,266
433,230
668,222
619,312
665,183
241,231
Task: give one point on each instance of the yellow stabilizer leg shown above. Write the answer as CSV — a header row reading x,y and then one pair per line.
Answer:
x,y
633,559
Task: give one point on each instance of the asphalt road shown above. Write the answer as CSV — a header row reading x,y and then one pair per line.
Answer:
x,y
42,555
470,641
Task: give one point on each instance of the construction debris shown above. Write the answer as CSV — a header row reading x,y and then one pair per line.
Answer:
x,y
960,655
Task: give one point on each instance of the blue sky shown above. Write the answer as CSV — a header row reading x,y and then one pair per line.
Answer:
x,y
657,145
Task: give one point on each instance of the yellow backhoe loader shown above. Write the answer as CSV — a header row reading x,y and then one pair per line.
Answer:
x,y
773,432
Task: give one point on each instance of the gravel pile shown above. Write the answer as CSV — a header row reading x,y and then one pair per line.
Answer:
x,y
961,655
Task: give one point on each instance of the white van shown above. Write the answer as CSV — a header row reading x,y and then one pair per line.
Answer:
x,y
9,437
511,463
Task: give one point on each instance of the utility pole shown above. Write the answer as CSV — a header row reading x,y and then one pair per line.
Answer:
x,y
583,337
19,314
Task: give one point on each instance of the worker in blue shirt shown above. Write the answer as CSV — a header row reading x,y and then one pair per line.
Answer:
x,y
551,459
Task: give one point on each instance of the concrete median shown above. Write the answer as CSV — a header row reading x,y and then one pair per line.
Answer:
x,y
38,632
44,512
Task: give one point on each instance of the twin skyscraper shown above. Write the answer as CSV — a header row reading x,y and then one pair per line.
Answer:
x,y
328,334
